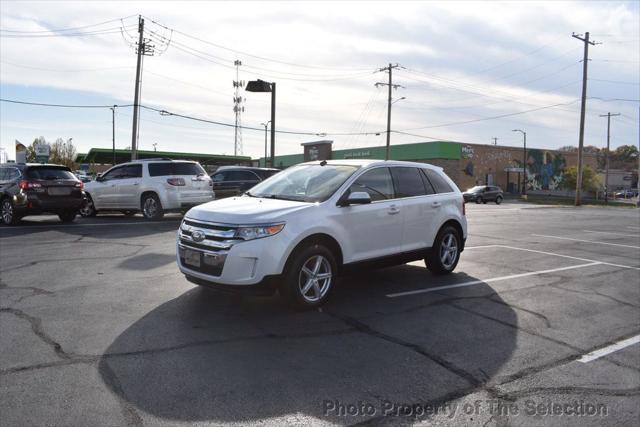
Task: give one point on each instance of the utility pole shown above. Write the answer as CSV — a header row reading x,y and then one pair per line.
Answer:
x,y
495,140
265,142
606,173
583,106
391,86
144,48
113,131
238,109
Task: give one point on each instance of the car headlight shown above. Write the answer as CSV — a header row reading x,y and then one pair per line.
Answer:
x,y
257,232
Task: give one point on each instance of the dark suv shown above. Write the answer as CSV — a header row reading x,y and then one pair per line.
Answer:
x,y
233,181
484,194
32,189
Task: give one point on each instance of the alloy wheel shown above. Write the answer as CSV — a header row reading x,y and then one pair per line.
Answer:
x,y
7,212
150,207
448,250
315,278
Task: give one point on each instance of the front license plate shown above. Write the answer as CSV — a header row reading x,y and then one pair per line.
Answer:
x,y
192,258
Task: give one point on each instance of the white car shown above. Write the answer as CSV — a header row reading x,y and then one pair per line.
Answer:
x,y
300,228
152,186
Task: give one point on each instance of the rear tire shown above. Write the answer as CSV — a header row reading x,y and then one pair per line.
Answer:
x,y
151,207
479,200
443,257
309,277
498,200
67,217
89,209
7,212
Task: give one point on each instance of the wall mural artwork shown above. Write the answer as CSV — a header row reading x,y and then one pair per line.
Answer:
x,y
544,169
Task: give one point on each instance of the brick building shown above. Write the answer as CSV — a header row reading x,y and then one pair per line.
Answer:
x,y
466,164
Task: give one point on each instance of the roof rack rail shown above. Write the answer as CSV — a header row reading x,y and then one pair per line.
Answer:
x,y
152,159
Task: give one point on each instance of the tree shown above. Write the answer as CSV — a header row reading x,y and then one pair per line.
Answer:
x,y
63,153
590,181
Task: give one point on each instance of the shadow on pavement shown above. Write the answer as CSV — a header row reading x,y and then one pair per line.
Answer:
x,y
147,261
208,356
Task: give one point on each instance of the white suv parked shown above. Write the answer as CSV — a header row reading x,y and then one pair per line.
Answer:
x,y
298,229
152,186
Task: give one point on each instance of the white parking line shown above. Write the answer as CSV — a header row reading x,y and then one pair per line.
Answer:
x,y
493,279
564,256
613,233
609,349
46,226
587,241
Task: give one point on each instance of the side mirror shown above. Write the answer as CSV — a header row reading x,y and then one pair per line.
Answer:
x,y
358,198
99,177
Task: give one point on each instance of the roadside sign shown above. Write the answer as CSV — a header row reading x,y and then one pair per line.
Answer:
x,y
42,152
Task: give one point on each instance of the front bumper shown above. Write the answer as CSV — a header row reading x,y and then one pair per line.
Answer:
x,y
244,264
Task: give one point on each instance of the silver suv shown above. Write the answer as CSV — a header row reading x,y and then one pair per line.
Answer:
x,y
150,186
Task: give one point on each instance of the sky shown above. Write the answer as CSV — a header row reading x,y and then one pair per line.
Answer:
x,y
469,72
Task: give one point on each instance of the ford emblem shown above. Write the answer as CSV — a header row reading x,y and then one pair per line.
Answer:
x,y
198,235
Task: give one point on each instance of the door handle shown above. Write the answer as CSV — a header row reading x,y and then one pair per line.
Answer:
x,y
436,204
137,183
393,210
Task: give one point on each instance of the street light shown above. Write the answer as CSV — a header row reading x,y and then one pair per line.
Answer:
x,y
399,99
524,164
265,142
113,131
262,86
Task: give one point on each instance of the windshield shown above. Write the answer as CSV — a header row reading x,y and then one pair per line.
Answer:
x,y
306,183
477,188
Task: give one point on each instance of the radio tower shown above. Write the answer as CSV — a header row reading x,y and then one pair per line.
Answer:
x,y
238,109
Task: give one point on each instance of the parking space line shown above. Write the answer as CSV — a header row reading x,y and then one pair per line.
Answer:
x,y
613,233
587,241
609,349
567,256
493,279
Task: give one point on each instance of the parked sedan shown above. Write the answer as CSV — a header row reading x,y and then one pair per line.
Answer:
x,y
33,189
484,194
231,181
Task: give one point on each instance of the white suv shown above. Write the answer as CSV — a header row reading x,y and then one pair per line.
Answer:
x,y
298,229
152,186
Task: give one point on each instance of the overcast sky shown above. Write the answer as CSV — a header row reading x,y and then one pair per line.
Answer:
x,y
465,64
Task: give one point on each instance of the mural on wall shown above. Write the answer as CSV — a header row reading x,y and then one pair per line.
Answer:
x,y
544,169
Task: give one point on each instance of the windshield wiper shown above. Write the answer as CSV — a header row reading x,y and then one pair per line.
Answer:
x,y
248,193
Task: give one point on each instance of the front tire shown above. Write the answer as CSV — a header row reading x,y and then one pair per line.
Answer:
x,y
498,200
309,277
151,207
8,213
479,200
445,253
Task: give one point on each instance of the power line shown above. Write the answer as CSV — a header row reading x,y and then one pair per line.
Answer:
x,y
42,104
58,70
113,30
250,54
67,29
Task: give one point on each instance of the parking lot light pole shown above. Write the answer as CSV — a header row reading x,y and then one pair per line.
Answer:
x,y
524,164
262,86
113,131
266,125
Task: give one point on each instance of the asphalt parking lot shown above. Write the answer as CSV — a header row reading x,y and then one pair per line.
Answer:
x,y
539,325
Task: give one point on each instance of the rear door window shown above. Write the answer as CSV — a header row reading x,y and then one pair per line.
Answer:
x,y
242,176
49,173
177,168
377,182
131,171
437,181
408,182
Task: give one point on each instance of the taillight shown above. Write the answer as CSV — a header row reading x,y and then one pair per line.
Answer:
x,y
80,185
25,185
178,182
